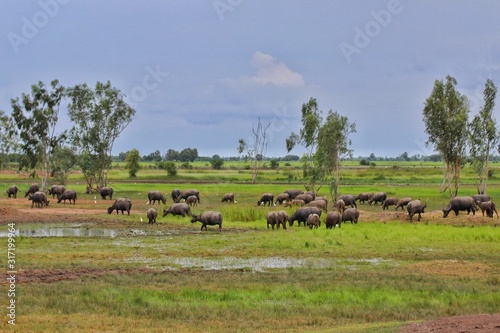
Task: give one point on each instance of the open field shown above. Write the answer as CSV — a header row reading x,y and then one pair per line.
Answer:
x,y
80,269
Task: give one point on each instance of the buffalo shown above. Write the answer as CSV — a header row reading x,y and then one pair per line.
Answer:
x,y
350,214
181,208
39,198
67,195
295,202
307,197
228,197
105,192
402,203
489,207
56,190
152,215
293,193
12,191
377,197
281,198
175,194
333,218
32,189
302,214
481,198
154,196
349,200
321,204
192,200
187,193
121,204
266,198
389,202
271,219
415,207
340,205
313,221
460,203
208,217
362,197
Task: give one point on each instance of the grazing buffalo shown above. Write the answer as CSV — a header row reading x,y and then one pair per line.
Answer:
x,y
389,202
349,200
402,203
32,189
340,205
282,219
460,203
192,200
181,208
67,195
175,194
266,198
377,197
350,214
154,196
295,202
271,219
481,198
489,207
307,197
12,191
302,214
208,217
362,197
152,215
333,218
39,198
293,193
313,221
321,204
415,207
228,197
187,193
121,204
105,192
56,190
282,198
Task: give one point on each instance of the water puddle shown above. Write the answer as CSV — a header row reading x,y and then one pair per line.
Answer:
x,y
60,230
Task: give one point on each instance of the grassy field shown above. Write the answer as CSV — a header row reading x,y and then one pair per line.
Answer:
x,y
373,276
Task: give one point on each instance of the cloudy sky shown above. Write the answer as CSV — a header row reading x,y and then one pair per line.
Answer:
x,y
200,73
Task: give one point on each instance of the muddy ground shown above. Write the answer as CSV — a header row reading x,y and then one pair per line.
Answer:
x,y
19,211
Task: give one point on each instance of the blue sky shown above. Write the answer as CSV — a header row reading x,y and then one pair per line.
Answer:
x,y
199,73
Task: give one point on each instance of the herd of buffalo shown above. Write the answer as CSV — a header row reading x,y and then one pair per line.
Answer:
x,y
309,206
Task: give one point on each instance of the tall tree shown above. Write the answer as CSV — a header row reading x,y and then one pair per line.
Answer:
x,y
483,136
445,117
36,117
133,158
257,151
99,115
333,146
326,143
9,140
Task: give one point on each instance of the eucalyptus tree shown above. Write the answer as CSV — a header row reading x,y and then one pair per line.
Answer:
x,y
9,141
99,116
326,141
483,136
445,116
36,115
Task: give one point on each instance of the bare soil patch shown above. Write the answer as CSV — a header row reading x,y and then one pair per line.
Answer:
x,y
484,323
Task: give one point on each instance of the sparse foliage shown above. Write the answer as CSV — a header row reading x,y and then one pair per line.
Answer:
x,y
99,115
483,136
445,117
258,150
36,117
217,162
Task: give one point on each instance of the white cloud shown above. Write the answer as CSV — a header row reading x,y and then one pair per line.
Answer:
x,y
270,71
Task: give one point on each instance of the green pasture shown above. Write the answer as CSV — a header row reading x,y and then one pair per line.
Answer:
x,y
374,276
